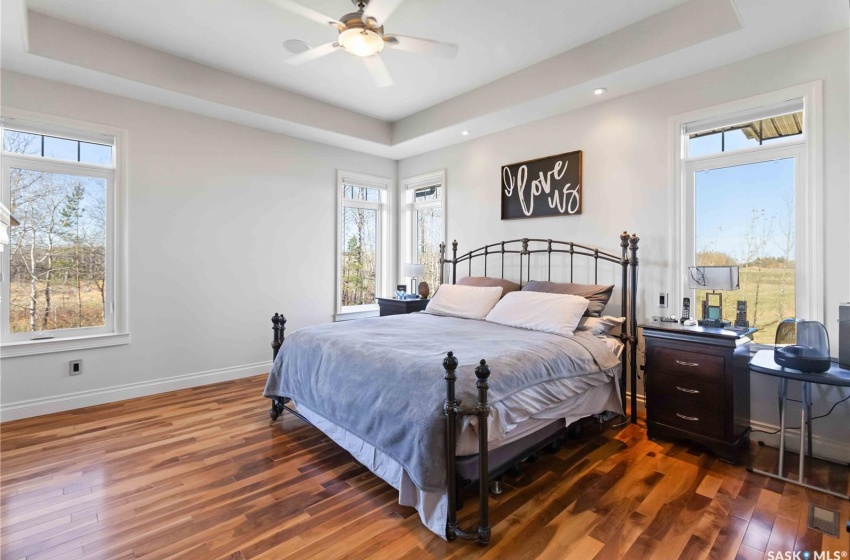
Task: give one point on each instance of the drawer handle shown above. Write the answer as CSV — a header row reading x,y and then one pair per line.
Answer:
x,y
689,364
691,418
682,389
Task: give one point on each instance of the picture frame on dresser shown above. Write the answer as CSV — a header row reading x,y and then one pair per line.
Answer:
x,y
697,386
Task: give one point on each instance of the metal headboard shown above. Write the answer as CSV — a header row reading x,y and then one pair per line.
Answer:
x,y
526,247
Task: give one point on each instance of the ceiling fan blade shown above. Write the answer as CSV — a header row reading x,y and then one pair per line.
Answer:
x,y
305,12
421,46
312,54
378,69
380,10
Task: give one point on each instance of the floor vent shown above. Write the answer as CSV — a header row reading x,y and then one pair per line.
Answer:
x,y
823,520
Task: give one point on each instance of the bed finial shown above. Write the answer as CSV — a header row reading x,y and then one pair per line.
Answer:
x,y
633,248
278,327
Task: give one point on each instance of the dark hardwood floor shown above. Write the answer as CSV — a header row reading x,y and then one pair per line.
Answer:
x,y
203,473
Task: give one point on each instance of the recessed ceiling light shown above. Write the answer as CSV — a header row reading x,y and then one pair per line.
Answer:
x,y
599,91
465,133
296,46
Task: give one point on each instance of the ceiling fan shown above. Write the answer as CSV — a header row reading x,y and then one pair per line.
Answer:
x,y
361,33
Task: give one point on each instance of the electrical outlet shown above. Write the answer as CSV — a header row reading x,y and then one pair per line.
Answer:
x,y
75,367
662,300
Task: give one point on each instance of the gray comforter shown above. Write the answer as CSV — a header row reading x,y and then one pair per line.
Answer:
x,y
382,379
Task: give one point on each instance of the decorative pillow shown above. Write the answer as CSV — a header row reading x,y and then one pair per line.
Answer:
x,y
539,311
506,285
467,302
600,325
596,294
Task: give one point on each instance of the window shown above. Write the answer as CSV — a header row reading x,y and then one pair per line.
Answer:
x,y
362,250
426,202
59,270
747,200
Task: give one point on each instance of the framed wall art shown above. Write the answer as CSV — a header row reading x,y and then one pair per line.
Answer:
x,y
548,186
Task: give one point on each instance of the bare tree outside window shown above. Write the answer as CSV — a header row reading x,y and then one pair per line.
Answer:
x,y
57,255
360,246
428,226
745,216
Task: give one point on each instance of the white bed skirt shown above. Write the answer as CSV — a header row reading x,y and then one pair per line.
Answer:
x,y
433,507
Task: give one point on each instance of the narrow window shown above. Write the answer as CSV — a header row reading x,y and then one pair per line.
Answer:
x,y
362,242
426,210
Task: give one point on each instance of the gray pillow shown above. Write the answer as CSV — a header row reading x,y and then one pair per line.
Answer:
x,y
489,282
596,294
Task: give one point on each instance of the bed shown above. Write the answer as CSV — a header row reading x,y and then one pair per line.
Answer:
x,y
399,407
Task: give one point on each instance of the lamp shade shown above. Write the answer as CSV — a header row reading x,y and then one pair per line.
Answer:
x,y
414,270
713,277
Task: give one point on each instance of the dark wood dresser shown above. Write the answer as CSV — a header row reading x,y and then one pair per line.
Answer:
x,y
401,306
698,386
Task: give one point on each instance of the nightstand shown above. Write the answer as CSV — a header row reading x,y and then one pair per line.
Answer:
x,y
401,306
698,385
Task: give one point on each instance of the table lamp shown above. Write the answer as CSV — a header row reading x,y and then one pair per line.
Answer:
x,y
713,278
414,271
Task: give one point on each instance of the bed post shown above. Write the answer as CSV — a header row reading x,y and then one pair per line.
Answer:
x,y
482,372
442,263
454,261
278,326
451,410
633,263
624,335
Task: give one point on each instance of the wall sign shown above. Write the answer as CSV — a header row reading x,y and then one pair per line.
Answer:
x,y
549,186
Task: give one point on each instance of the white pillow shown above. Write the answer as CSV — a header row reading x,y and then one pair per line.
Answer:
x,y
540,311
600,325
467,302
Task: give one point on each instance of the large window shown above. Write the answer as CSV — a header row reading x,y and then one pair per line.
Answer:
x,y
59,270
426,203
745,198
362,244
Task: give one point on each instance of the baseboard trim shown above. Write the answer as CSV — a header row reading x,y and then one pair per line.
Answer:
x,y
49,405
824,448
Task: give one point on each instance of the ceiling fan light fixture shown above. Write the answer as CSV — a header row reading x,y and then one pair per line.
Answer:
x,y
361,41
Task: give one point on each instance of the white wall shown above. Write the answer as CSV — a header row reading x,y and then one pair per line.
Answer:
x,y
227,224
627,168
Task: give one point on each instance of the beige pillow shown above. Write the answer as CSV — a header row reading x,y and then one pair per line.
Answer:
x,y
539,311
596,294
488,282
467,302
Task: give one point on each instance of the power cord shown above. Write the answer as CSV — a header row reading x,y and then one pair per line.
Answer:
x,y
813,417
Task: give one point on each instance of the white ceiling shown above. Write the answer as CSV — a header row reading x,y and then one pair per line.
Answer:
x,y
519,61
244,37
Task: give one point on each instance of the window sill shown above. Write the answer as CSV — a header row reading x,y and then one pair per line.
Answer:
x,y
34,347
360,312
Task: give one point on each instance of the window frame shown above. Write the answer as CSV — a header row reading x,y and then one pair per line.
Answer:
x,y
808,186
115,331
409,186
384,248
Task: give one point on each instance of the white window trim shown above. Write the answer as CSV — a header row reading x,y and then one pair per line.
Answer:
x,y
117,230
435,178
385,248
808,195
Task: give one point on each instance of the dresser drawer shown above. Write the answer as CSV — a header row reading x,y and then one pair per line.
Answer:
x,y
687,389
685,416
693,365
